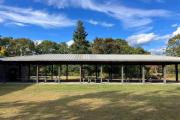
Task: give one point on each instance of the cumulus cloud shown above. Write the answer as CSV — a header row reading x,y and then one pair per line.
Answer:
x,y
24,16
69,43
101,23
37,42
140,39
130,17
176,32
158,51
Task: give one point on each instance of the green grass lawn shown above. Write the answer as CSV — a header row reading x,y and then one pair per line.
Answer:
x,y
89,102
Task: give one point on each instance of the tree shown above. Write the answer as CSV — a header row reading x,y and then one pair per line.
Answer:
x,y
63,48
80,45
47,47
2,51
173,47
140,50
5,43
17,47
2,47
114,46
23,46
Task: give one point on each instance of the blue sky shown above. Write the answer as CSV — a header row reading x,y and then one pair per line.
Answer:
x,y
145,23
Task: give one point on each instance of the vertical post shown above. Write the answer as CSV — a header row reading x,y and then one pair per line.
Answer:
x,y
29,72
164,73
59,73
67,71
111,72
19,77
143,74
176,71
37,73
80,73
52,72
96,72
101,73
122,74
45,73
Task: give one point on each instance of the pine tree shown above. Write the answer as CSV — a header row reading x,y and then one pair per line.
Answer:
x,y
80,45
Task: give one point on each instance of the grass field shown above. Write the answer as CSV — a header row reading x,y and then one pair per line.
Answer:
x,y
89,102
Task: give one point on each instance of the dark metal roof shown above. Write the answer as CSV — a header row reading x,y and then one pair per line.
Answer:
x,y
92,58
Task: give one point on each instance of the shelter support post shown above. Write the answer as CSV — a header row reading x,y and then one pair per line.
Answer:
x,y
29,72
110,73
96,73
164,73
80,73
46,73
67,72
37,73
143,74
176,71
101,73
59,73
122,74
52,67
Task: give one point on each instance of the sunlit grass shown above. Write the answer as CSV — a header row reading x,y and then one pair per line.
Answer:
x,y
88,102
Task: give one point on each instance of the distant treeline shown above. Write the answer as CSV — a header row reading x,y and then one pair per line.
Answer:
x,y
24,46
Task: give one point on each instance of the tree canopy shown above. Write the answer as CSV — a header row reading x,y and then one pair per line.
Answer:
x,y
173,47
114,46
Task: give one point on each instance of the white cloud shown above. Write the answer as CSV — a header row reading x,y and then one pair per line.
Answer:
x,y
158,51
23,16
19,24
15,23
141,38
69,43
176,32
101,23
131,17
37,42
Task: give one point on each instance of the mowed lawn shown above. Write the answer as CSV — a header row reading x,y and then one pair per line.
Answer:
x,y
89,102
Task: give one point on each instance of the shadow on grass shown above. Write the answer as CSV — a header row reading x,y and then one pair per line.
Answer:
x,y
108,105
6,88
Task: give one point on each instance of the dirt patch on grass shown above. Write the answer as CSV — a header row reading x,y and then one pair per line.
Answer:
x,y
89,103
10,111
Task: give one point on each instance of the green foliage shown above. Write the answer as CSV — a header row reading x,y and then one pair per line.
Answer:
x,y
17,47
114,46
80,45
47,47
173,48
